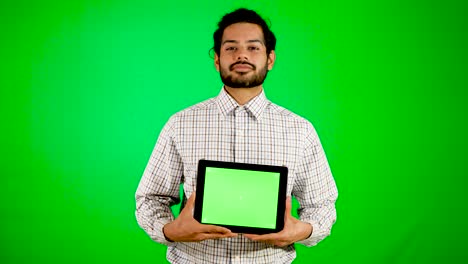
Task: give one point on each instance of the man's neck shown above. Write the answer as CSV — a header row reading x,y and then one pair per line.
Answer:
x,y
243,95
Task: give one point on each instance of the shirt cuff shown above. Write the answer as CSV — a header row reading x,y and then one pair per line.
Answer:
x,y
316,236
158,234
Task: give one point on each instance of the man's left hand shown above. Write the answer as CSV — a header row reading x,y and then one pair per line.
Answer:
x,y
294,230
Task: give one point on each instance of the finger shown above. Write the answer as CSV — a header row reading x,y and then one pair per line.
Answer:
x,y
214,229
273,240
190,205
191,200
215,236
253,237
188,208
266,237
288,205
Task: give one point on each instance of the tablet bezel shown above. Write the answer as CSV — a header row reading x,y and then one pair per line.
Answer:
x,y
281,202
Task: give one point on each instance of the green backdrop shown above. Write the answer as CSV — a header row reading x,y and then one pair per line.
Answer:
x,y
86,87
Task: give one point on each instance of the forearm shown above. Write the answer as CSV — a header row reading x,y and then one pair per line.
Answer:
x,y
321,219
317,208
306,230
315,190
158,189
152,213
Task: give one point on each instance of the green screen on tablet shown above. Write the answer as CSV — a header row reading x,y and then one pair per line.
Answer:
x,y
246,198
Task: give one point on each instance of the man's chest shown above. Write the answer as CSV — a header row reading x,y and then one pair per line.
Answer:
x,y
239,139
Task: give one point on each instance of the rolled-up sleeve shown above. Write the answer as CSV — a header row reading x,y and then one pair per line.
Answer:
x,y
158,189
315,189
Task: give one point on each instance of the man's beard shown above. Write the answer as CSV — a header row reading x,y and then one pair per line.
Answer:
x,y
242,81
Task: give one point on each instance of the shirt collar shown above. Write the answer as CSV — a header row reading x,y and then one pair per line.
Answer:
x,y
256,105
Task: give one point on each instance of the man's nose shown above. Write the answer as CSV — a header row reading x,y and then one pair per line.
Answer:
x,y
242,55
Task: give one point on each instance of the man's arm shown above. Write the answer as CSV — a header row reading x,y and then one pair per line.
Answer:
x,y
294,230
159,186
315,189
159,189
316,193
185,228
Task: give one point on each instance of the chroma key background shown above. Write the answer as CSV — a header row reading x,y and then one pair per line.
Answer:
x,y
86,87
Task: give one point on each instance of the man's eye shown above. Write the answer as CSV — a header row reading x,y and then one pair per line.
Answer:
x,y
254,48
230,48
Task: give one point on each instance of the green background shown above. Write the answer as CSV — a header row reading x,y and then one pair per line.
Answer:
x,y
232,197
86,86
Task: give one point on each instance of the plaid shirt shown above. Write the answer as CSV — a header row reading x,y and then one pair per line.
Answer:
x,y
258,132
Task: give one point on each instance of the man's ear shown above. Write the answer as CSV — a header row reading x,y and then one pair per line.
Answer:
x,y
216,61
271,59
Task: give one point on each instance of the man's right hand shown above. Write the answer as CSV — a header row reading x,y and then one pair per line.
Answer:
x,y
186,229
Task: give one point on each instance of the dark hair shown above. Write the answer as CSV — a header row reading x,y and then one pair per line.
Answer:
x,y
247,16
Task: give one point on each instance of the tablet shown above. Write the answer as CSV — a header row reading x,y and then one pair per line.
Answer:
x,y
245,198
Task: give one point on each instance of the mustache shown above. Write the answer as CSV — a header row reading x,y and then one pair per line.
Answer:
x,y
241,62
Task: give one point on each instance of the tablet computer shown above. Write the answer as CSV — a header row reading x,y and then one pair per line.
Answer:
x,y
245,198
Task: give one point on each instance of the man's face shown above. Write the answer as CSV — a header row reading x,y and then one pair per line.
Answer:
x,y
243,62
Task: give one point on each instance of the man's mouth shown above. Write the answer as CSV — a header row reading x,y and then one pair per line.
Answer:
x,y
242,67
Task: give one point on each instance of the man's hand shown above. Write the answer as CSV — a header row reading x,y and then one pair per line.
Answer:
x,y
186,229
294,230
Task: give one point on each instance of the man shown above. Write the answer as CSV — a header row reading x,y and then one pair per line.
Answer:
x,y
239,125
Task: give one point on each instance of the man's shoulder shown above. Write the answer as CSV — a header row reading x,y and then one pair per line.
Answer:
x,y
293,120
201,106
193,110
288,115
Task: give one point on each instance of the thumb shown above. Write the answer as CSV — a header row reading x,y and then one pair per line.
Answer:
x,y
189,207
288,206
191,201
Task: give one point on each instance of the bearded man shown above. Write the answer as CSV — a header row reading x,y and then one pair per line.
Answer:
x,y
239,125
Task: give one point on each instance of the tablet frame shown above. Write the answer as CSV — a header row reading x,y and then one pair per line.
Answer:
x,y
281,202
